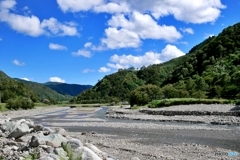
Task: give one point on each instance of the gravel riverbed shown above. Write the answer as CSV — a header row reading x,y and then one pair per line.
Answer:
x,y
147,137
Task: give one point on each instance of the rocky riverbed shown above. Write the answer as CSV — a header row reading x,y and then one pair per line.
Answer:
x,y
206,114
146,136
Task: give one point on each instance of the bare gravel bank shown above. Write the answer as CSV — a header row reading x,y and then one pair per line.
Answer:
x,y
148,140
208,114
123,148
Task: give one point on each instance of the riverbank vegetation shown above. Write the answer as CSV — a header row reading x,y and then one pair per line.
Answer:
x,y
187,101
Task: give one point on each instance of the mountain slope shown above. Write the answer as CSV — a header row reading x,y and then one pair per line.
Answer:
x,y
10,88
3,75
215,65
118,86
115,87
44,92
67,89
211,69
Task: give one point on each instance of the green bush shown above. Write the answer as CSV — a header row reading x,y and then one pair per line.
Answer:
x,y
17,103
70,152
237,102
144,94
186,101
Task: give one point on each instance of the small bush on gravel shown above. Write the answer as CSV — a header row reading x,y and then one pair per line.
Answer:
x,y
70,152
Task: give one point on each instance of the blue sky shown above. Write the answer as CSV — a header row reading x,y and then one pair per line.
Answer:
x,y
78,41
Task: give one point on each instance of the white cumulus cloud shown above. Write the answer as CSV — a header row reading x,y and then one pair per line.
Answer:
x,y
104,70
88,44
149,58
56,79
120,39
26,79
113,7
187,30
78,5
200,11
170,52
207,35
128,32
31,25
88,70
83,53
18,63
54,46
54,27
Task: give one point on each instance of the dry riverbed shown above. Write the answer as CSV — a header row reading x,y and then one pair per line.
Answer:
x,y
147,136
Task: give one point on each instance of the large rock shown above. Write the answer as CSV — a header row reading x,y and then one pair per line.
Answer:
x,y
3,119
85,153
53,140
100,153
38,127
16,129
74,144
19,139
59,130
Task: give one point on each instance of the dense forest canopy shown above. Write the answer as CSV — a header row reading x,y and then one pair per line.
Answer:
x,y
211,69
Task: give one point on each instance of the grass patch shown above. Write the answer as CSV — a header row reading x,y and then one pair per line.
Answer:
x,y
186,101
3,107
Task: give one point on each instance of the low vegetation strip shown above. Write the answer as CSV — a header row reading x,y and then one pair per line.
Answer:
x,y
195,113
187,101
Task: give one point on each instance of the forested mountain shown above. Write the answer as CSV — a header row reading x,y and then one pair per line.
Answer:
x,y
44,92
211,69
114,87
10,89
3,76
214,68
67,89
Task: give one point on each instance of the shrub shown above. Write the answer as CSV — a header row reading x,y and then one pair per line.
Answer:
x,y
17,103
46,101
70,152
144,94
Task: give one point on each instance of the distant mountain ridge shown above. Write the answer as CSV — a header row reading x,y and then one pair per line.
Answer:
x,y
67,89
44,92
14,87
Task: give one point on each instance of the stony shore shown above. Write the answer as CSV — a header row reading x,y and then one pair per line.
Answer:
x,y
206,114
126,147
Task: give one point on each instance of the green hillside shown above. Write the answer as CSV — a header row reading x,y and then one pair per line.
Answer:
x,y
10,89
67,89
3,76
114,87
16,88
211,69
44,92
